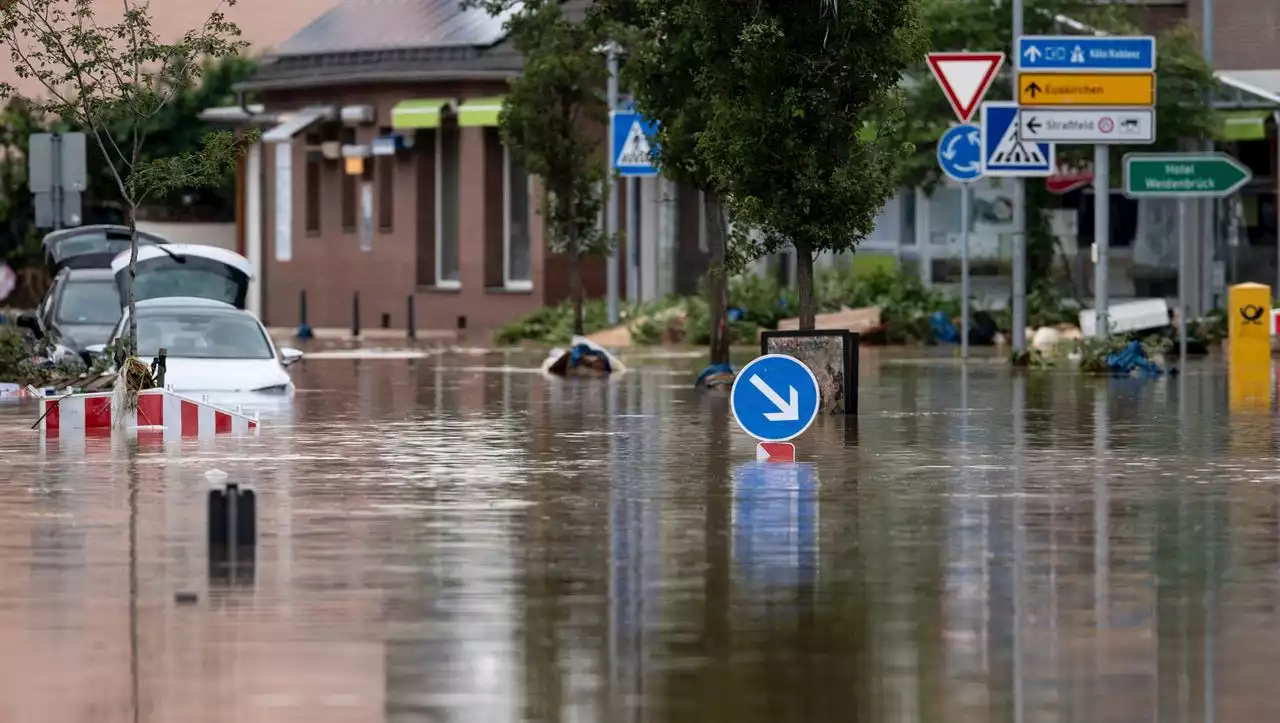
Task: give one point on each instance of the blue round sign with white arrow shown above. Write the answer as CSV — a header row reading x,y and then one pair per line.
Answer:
x,y
960,152
774,398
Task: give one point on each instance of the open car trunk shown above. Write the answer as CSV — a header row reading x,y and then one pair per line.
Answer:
x,y
91,246
207,272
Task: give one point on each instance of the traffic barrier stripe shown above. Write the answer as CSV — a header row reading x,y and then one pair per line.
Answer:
x,y
159,410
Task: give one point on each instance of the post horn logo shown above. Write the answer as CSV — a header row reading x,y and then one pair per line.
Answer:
x,y
1252,313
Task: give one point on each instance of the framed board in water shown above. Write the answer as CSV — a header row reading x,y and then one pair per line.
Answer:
x,y
832,355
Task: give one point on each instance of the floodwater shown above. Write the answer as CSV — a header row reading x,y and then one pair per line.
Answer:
x,y
460,539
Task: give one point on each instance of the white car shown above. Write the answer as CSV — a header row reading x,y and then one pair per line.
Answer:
x,y
211,346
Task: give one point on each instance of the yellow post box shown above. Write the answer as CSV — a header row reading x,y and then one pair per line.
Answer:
x,y
1249,346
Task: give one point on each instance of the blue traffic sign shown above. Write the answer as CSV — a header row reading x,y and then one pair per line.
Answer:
x,y
774,398
1004,153
634,142
1086,54
960,152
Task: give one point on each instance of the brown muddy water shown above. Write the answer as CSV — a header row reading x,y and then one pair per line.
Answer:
x,y
460,539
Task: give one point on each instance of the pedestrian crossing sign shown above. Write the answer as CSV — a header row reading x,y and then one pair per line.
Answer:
x,y
634,143
1004,153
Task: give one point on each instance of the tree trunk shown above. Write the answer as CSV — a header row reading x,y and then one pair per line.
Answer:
x,y
804,279
131,346
717,239
575,286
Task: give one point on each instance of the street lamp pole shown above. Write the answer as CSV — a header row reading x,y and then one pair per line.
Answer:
x,y
1019,219
612,214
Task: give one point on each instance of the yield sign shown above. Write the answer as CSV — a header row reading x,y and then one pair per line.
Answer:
x,y
965,78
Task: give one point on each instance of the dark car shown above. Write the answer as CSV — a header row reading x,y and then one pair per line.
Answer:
x,y
83,304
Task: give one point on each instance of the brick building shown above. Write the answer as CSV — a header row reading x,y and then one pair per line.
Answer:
x,y
381,173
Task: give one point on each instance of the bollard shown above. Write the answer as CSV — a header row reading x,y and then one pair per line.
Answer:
x,y
410,331
158,367
304,329
233,533
355,314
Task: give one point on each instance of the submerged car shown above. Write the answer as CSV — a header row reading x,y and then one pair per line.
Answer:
x,y
211,346
83,302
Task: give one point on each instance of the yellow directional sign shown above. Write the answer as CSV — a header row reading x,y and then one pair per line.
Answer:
x,y
1099,89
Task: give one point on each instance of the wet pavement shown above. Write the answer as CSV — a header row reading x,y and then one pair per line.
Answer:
x,y
458,538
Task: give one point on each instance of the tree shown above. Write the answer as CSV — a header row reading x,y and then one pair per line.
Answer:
x,y
549,123
788,88
115,79
1183,79
662,42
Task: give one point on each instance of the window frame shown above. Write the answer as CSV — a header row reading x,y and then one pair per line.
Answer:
x,y
440,281
507,281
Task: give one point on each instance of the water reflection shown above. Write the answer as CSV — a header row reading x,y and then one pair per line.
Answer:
x,y
461,539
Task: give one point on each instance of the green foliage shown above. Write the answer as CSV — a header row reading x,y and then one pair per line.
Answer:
x,y
20,356
788,89
549,106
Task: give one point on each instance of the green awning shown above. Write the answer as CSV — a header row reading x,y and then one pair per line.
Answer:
x,y
419,113
480,111
1244,125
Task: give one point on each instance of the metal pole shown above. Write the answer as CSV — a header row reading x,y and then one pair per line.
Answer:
x,y
611,219
1101,237
1182,284
56,193
964,270
633,239
1208,239
1019,220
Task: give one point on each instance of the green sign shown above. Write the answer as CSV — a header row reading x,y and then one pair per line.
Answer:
x,y
1173,175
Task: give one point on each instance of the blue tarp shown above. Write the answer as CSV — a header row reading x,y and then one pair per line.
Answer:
x,y
944,332
582,351
1132,357
715,375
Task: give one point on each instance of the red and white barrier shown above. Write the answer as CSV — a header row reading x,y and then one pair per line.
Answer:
x,y
159,410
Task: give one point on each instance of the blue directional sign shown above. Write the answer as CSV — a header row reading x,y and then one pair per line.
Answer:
x,y
1004,153
774,398
1087,54
634,141
960,152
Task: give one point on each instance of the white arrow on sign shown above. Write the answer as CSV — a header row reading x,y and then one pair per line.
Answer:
x,y
787,412
1032,53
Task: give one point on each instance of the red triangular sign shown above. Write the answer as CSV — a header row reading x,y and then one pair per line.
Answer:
x,y
965,78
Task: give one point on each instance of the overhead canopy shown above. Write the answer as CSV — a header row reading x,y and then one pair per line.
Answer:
x,y
480,111
1244,125
295,123
419,113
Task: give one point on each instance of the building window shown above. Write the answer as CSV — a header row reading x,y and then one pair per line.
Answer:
x,y
386,192
447,191
517,262
350,187
315,162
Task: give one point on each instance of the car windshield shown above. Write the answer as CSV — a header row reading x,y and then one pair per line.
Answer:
x,y
89,302
201,334
164,277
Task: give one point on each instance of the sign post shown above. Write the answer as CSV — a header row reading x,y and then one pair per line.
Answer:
x,y
57,176
1183,176
1058,77
965,79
